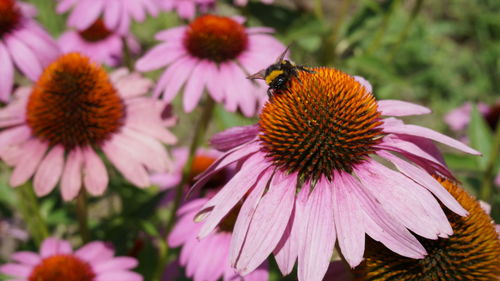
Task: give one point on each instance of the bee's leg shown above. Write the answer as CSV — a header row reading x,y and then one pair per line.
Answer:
x,y
269,92
300,67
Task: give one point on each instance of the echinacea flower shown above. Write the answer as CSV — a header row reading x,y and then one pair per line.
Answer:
x,y
459,118
117,14
471,253
186,9
24,44
325,166
54,130
215,53
207,259
58,262
98,43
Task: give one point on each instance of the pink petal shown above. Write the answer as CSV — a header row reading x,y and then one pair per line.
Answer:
x,y
17,270
401,108
95,176
317,236
46,50
33,151
95,253
419,131
119,275
380,225
348,222
230,194
420,213
116,263
49,171
171,34
246,214
194,86
177,78
54,246
133,85
160,56
14,136
268,223
130,168
215,89
184,230
112,10
234,137
24,58
28,258
287,250
184,63
6,74
210,269
85,14
420,176
71,180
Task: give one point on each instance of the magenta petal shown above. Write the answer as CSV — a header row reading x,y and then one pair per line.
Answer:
x,y
24,58
54,246
28,258
268,223
234,137
401,108
379,225
85,13
231,193
419,131
423,178
6,74
159,56
49,172
317,236
348,221
194,86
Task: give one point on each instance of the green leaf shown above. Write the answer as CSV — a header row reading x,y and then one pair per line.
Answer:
x,y
460,162
480,136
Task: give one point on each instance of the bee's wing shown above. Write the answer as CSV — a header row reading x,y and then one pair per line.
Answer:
x,y
259,75
282,56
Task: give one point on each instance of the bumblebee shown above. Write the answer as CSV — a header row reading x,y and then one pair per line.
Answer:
x,y
279,73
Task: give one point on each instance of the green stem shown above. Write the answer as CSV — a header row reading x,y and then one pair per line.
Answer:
x,y
127,57
82,215
406,29
199,133
30,211
331,40
318,9
489,172
382,28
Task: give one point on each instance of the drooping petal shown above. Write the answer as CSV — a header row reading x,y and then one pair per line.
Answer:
x,y
24,58
6,74
95,176
71,180
33,151
28,258
317,236
268,223
401,108
233,137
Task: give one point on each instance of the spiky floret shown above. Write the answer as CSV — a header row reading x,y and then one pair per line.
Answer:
x,y
471,253
323,121
74,104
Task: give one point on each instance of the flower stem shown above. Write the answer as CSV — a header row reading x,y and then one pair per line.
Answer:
x,y
487,182
82,215
318,9
127,59
406,29
331,40
199,133
30,211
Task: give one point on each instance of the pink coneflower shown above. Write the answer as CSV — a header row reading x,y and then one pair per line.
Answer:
x,y
208,259
117,14
186,9
54,130
313,175
23,44
459,118
58,262
99,43
215,53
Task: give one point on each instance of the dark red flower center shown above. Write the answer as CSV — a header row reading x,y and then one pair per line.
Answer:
x,y
10,16
62,268
326,121
493,116
96,32
215,38
74,104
